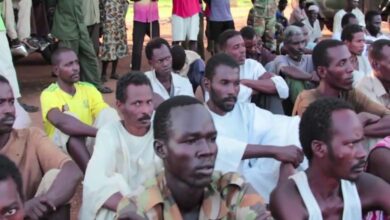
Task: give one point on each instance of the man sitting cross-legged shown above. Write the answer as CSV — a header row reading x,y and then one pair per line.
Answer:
x,y
73,110
188,188
335,185
50,177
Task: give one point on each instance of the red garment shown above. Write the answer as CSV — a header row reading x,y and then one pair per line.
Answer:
x,y
185,8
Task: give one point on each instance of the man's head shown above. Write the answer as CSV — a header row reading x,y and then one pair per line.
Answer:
x,y
351,4
178,58
353,36
185,139
349,18
373,21
253,44
294,42
332,62
331,134
379,55
11,194
282,5
313,12
7,108
304,29
302,4
158,53
232,43
134,97
222,81
65,65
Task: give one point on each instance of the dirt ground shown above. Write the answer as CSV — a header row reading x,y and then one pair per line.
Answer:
x,y
34,75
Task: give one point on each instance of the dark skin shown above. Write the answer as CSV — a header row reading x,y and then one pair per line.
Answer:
x,y
162,64
223,90
67,71
343,158
63,187
337,77
114,64
378,161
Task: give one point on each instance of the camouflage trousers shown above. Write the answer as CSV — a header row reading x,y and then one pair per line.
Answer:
x,y
265,28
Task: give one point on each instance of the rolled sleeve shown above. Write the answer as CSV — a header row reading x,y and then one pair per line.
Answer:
x,y
230,153
281,86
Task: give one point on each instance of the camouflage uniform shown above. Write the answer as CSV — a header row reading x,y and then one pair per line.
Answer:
x,y
227,197
264,21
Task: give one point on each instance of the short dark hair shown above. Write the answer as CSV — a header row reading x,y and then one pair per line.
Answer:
x,y
298,24
133,78
178,57
8,169
155,43
345,19
225,36
316,122
55,56
320,52
217,60
349,31
375,50
370,15
248,32
162,118
4,80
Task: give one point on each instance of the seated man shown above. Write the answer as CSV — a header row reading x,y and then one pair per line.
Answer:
x,y
335,185
123,156
376,85
313,24
188,63
73,110
296,67
353,37
268,137
351,6
373,27
49,176
332,61
11,195
164,82
185,140
254,47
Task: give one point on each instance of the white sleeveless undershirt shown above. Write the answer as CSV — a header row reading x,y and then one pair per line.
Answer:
x,y
352,207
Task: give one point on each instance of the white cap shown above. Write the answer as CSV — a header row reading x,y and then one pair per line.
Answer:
x,y
314,8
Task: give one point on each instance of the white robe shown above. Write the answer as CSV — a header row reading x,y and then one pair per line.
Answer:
x,y
121,162
252,125
181,85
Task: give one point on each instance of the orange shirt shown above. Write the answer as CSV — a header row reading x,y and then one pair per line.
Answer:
x,y
34,154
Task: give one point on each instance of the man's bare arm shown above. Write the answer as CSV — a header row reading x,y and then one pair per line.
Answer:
x,y
378,129
296,73
113,201
285,204
378,162
266,86
374,193
69,124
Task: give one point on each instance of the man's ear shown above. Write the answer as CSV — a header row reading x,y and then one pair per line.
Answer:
x,y
55,70
321,72
375,65
207,84
319,148
160,148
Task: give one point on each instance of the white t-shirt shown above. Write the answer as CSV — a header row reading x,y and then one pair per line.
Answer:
x,y
252,125
339,16
181,85
252,70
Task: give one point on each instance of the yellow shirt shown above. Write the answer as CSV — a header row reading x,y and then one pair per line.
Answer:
x,y
86,103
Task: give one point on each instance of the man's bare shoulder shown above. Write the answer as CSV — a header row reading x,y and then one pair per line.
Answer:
x,y
374,192
286,202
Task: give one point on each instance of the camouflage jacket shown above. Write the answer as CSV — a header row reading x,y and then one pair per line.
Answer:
x,y
265,8
228,197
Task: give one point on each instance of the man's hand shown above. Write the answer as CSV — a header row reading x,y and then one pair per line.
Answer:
x,y
368,118
289,154
38,207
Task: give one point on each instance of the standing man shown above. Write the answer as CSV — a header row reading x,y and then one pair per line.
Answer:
x,y
185,140
120,169
72,111
49,176
92,21
264,21
70,29
335,185
145,22
351,6
185,22
164,82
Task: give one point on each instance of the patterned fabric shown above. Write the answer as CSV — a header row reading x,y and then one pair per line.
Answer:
x,y
264,21
114,30
227,197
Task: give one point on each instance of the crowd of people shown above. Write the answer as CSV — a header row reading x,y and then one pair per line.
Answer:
x,y
296,128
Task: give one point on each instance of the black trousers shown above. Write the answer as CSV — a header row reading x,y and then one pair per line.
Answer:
x,y
141,29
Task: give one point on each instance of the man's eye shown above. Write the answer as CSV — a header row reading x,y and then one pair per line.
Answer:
x,y
10,212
